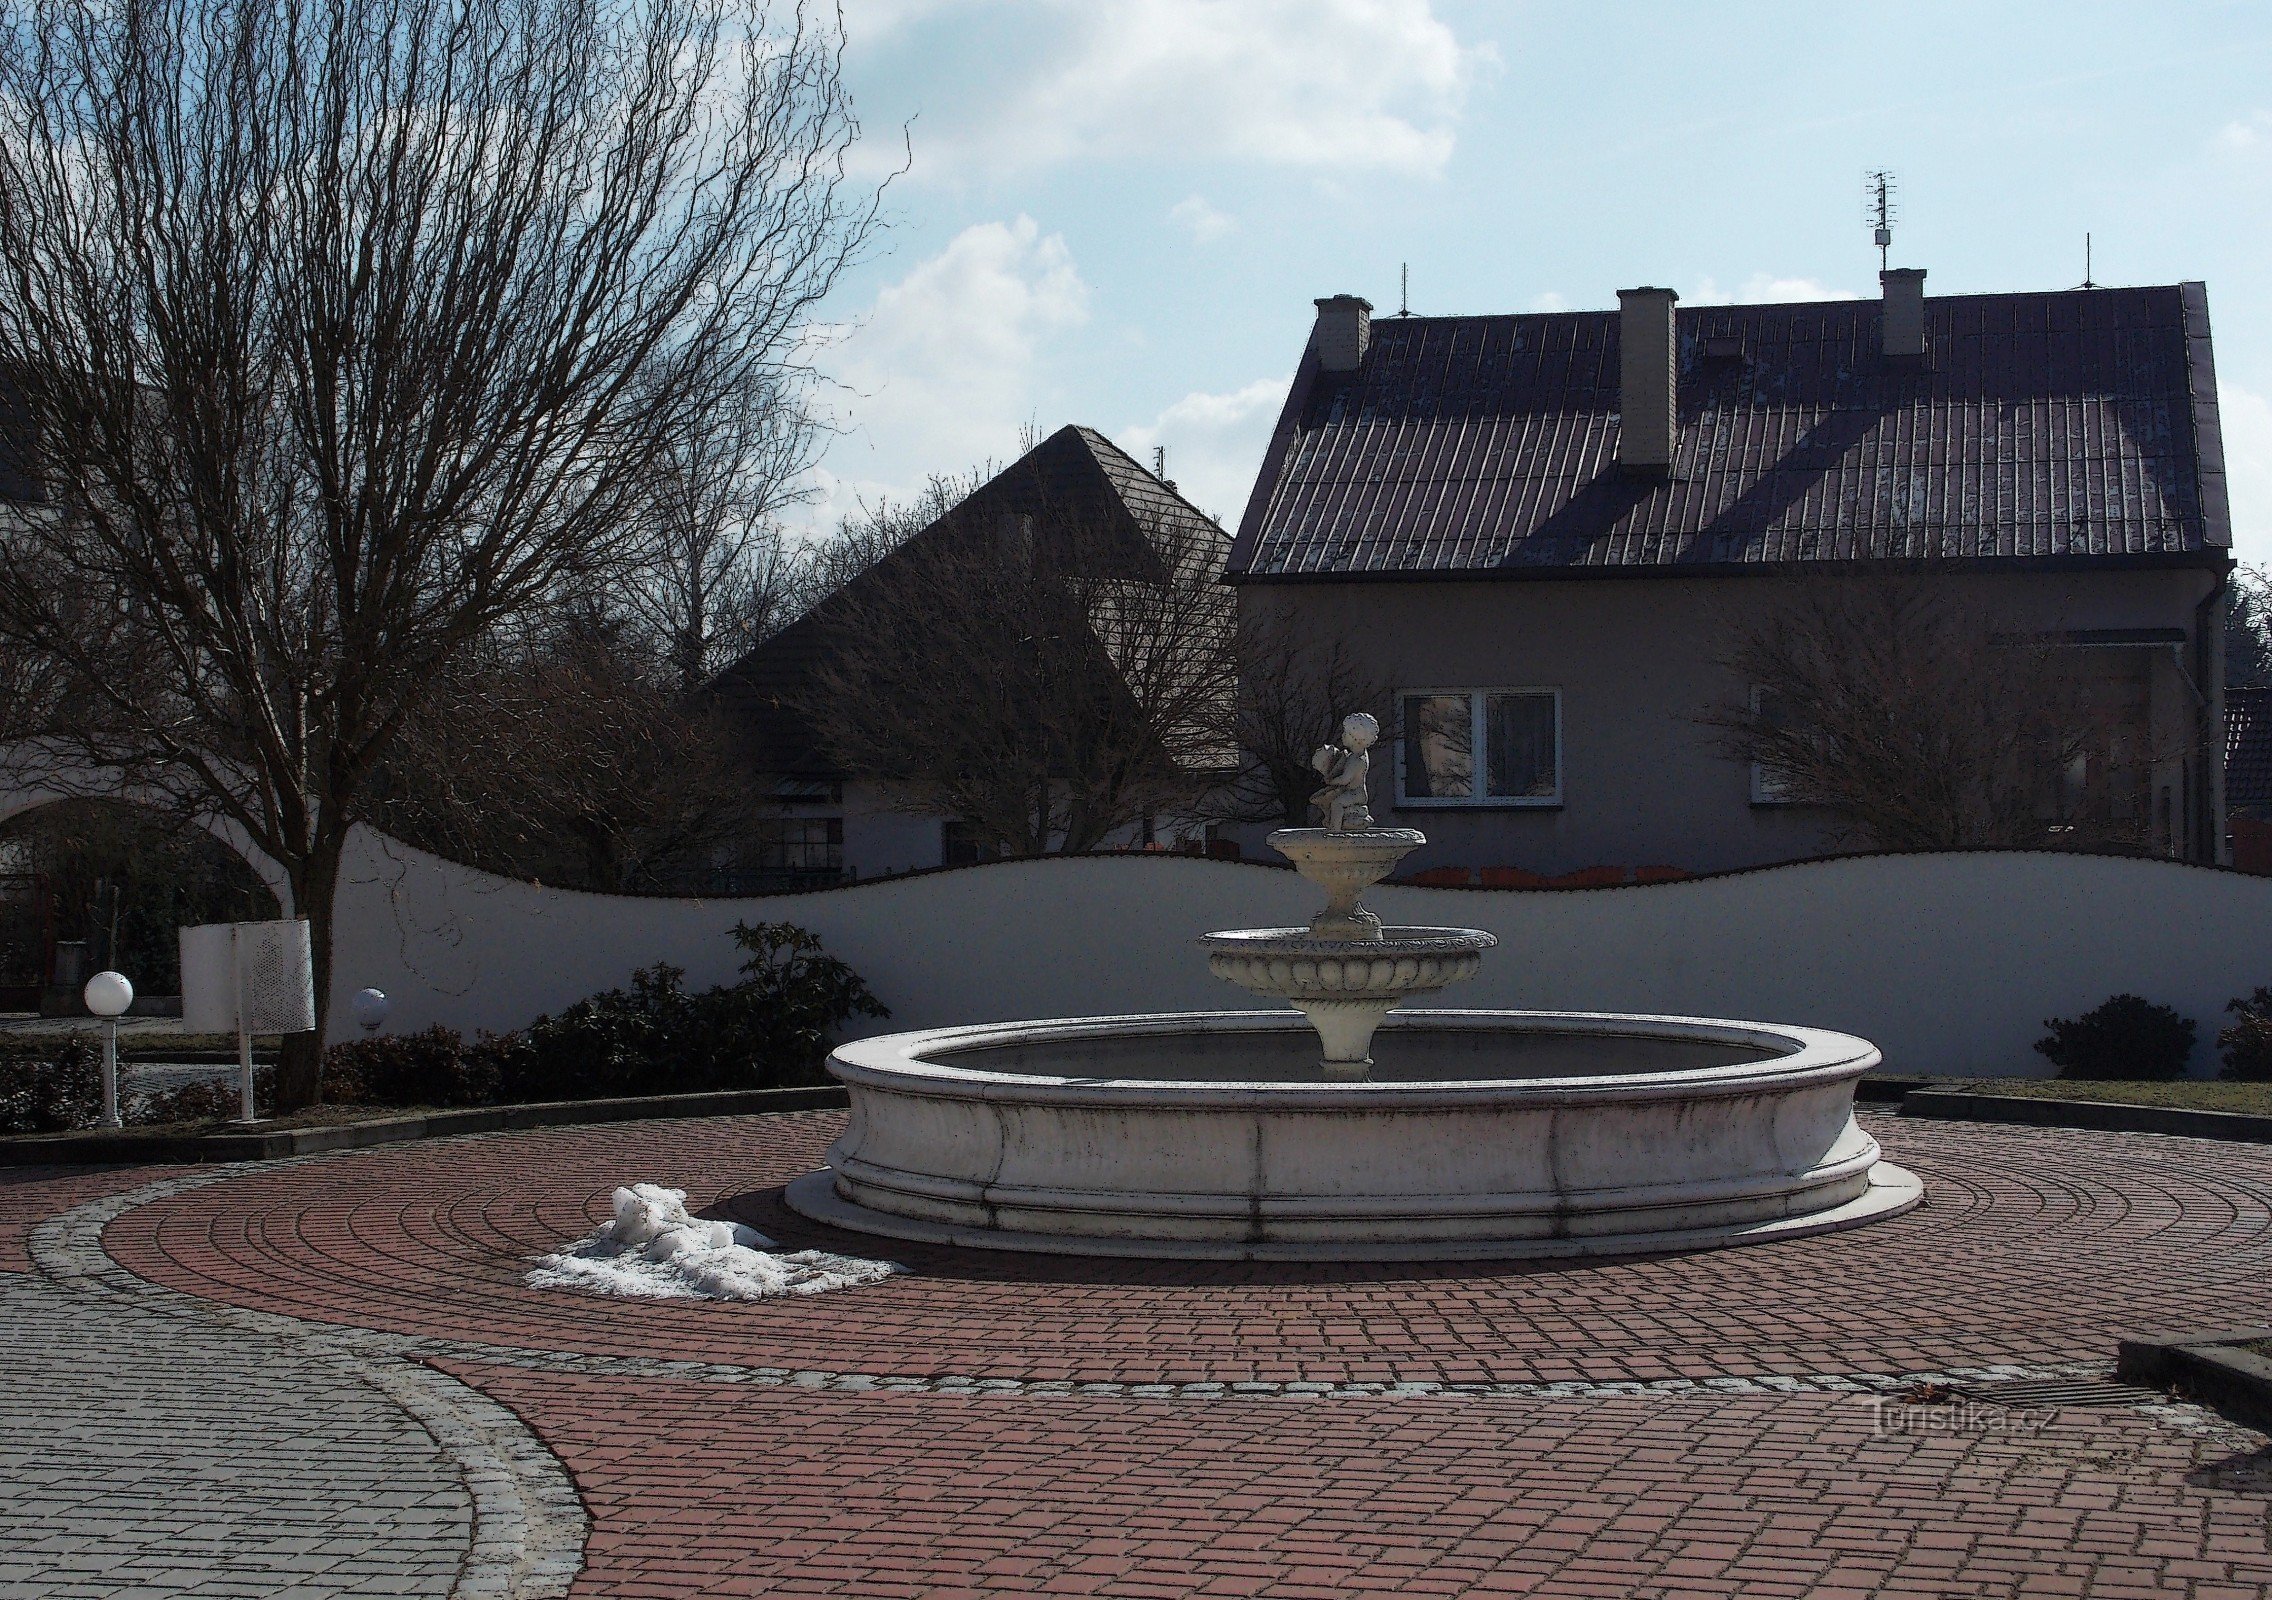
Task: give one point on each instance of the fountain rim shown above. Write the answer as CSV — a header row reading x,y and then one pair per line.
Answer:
x,y
898,1062
1396,939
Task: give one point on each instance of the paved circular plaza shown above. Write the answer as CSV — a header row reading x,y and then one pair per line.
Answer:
x,y
1729,1423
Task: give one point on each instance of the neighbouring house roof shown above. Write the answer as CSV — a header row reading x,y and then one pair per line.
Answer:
x,y
2248,749
1075,471
2074,428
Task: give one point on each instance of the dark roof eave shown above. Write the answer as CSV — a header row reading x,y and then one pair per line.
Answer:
x,y
2208,560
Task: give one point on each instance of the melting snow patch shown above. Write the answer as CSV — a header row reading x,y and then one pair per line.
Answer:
x,y
655,1250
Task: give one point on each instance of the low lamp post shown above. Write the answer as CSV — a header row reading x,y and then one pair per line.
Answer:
x,y
370,1007
108,994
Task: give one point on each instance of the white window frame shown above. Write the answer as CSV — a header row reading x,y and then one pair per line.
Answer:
x,y
1477,696
1765,791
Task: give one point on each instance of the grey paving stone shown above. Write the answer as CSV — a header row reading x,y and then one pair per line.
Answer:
x,y
147,1455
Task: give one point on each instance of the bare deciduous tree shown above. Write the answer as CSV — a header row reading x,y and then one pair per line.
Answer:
x,y
351,331
1294,690
719,576
569,759
1038,669
2248,629
1923,720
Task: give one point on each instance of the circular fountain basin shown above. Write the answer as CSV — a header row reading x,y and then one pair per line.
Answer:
x,y
1214,1135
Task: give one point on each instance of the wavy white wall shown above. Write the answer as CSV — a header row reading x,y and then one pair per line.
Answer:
x,y
1949,962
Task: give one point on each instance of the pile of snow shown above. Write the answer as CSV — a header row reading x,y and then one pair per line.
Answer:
x,y
654,1249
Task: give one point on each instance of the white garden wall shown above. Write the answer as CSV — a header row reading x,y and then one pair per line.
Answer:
x,y
1949,963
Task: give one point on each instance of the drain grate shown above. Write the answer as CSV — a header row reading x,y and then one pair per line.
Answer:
x,y
2045,1394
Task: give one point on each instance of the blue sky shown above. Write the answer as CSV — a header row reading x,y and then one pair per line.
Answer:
x,y
1119,211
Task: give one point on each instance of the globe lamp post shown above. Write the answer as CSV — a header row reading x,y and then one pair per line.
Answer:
x,y
108,994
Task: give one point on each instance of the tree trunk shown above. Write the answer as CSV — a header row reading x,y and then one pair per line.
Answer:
x,y
299,1062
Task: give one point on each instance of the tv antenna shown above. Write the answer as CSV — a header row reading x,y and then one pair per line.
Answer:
x,y
1880,209
2087,263
1404,288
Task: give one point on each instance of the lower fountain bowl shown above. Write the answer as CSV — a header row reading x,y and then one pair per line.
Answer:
x,y
1213,1135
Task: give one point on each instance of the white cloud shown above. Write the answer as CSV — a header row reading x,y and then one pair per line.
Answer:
x,y
2247,419
2246,133
941,372
1214,443
1334,85
1763,288
1549,301
1205,222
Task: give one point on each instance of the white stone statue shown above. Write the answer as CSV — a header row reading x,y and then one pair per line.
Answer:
x,y
1346,768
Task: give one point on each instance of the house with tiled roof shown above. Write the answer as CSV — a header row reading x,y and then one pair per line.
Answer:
x,y
1540,530
2248,776
820,824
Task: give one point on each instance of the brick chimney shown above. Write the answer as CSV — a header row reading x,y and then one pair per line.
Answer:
x,y
1344,329
1649,382
1903,319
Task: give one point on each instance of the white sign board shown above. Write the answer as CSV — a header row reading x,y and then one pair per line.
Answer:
x,y
249,977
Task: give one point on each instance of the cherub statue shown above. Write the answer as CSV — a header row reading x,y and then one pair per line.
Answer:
x,y
1346,768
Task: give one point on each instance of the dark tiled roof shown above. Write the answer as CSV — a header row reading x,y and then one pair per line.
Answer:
x,y
2078,424
1075,471
2248,748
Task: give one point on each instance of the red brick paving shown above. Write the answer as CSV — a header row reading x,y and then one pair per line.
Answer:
x,y
2032,1246
701,1489
30,1194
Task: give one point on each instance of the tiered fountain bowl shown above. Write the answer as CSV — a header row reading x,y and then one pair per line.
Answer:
x,y
1418,1135
1345,971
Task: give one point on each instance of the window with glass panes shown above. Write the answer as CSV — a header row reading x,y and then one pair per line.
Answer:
x,y
1480,747
798,844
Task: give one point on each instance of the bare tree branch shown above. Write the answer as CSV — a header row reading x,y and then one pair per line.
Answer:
x,y
351,331
1922,720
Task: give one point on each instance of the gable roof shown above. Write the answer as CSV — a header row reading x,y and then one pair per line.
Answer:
x,y
2248,748
2074,427
1076,471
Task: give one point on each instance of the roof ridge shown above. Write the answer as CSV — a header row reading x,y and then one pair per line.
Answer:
x,y
1092,437
2096,290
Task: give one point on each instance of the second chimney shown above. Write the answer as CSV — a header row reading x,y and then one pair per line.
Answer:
x,y
1904,315
1649,381
1344,329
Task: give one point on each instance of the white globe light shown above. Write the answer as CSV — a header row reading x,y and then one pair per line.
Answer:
x,y
370,1008
108,994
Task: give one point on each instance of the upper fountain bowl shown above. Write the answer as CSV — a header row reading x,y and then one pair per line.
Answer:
x,y
1345,971
1345,865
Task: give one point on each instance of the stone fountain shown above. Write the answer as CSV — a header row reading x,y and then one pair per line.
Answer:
x,y
1224,1135
1346,971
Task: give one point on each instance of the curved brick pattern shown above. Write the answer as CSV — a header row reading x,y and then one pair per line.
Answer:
x,y
164,1444
925,1436
2034,1247
695,1488
28,1194
147,1456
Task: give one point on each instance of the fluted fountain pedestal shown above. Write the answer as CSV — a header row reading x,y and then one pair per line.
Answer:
x,y
1346,970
